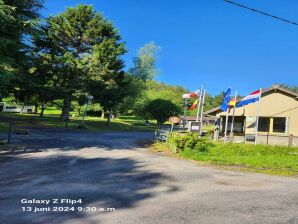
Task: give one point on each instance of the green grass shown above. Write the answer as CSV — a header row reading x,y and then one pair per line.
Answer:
x,y
51,119
260,158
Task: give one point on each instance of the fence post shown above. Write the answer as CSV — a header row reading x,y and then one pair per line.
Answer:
x,y
290,143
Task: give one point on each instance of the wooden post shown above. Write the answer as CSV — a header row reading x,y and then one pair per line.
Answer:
x,y
290,143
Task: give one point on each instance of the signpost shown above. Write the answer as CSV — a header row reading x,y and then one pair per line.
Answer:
x,y
174,120
88,103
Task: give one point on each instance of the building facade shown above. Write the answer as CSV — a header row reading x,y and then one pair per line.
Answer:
x,y
278,118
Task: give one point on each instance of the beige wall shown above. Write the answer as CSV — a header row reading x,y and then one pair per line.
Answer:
x,y
273,104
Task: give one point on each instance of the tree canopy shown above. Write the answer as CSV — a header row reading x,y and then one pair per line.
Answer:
x,y
83,52
18,21
161,110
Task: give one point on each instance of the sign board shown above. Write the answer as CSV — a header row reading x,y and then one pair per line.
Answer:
x,y
175,120
193,126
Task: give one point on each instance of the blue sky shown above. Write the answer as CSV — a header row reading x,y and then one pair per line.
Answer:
x,y
207,42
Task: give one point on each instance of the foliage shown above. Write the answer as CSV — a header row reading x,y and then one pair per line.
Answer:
x,y
143,71
161,110
262,158
189,141
82,50
145,63
18,20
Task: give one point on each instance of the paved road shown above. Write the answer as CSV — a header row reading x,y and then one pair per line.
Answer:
x,y
110,170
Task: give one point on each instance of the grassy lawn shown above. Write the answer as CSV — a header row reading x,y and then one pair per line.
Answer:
x,y
260,158
51,119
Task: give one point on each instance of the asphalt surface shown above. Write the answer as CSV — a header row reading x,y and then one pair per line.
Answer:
x,y
116,170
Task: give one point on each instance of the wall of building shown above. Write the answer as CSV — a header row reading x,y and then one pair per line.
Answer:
x,y
273,104
269,140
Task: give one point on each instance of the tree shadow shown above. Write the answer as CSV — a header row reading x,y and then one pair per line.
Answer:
x,y
100,182
45,139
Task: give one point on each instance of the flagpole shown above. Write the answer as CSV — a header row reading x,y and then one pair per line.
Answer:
x,y
257,118
201,119
199,104
184,119
226,125
233,118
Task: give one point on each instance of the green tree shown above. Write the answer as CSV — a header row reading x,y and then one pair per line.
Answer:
x,y
107,82
143,70
18,22
161,110
145,63
77,44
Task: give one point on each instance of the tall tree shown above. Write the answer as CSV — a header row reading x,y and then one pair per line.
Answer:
x,y
143,71
107,79
18,22
145,63
77,44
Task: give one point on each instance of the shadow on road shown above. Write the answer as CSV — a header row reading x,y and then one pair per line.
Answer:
x,y
64,140
103,182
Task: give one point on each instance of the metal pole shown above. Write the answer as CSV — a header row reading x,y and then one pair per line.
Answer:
x,y
184,119
202,105
85,112
226,125
199,104
233,118
257,118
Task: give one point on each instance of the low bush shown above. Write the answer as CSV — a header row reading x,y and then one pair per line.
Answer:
x,y
189,141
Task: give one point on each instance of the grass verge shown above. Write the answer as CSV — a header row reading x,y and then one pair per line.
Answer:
x,y
277,160
91,123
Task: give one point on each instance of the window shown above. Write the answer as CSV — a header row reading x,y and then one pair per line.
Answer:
x,y
279,124
264,124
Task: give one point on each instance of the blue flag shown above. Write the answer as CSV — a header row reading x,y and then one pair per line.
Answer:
x,y
225,103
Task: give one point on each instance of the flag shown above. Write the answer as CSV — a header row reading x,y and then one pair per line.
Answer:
x,y
194,105
232,104
226,100
191,95
251,98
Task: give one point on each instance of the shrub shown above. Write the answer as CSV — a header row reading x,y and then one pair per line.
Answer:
x,y
203,145
190,141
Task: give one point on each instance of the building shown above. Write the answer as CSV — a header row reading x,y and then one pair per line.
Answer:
x,y
205,120
278,118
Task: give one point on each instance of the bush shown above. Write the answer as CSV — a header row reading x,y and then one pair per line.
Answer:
x,y
190,141
203,145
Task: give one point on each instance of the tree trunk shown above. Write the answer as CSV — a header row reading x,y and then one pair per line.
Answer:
x,y
103,114
43,107
108,119
36,108
66,108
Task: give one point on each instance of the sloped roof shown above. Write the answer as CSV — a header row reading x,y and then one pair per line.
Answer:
x,y
273,88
